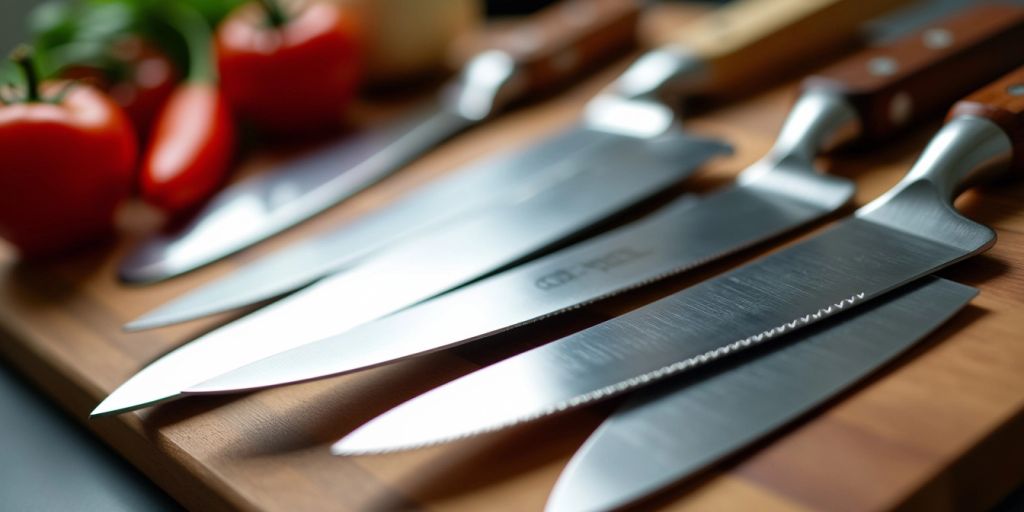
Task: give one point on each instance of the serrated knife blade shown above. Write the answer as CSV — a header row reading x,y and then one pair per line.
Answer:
x,y
678,428
909,232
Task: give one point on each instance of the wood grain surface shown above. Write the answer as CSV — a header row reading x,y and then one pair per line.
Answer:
x,y
943,429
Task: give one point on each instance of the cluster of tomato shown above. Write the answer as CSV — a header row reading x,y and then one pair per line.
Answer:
x,y
76,147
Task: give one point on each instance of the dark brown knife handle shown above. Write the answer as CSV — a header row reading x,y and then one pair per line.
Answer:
x,y
893,85
1002,102
563,40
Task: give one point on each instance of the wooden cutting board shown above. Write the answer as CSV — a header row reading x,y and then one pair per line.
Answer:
x,y
940,430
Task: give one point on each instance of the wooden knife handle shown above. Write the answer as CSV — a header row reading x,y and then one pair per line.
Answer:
x,y
561,41
1002,102
893,85
748,39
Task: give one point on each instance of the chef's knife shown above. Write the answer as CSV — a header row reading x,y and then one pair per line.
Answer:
x,y
547,49
728,46
777,194
667,434
910,231
610,175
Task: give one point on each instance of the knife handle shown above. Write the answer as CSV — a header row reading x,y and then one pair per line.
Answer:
x,y
1001,102
893,85
750,39
563,40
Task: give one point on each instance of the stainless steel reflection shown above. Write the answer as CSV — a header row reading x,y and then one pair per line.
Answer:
x,y
257,208
678,428
631,106
780,192
597,184
497,180
907,233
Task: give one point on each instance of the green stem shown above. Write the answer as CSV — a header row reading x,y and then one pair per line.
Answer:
x,y
275,14
22,56
191,26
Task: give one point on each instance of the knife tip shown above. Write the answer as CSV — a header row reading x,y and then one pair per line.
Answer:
x,y
139,324
108,408
119,403
571,495
160,317
363,442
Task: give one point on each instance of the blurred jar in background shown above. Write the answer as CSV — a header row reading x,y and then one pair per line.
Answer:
x,y
409,39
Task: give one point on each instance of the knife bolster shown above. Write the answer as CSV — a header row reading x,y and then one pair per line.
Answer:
x,y
966,150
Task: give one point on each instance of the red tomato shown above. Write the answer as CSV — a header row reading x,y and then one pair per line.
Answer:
x,y
66,168
296,77
190,149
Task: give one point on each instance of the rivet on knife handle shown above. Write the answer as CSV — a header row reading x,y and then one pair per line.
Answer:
x,y
894,85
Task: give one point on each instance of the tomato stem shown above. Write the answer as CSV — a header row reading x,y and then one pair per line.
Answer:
x,y
22,56
198,41
275,14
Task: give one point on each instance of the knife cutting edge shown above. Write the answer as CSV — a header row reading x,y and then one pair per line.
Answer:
x,y
704,58
618,171
909,232
424,266
564,40
666,434
779,193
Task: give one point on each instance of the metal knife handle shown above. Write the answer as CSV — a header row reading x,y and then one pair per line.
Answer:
x,y
563,40
1001,102
892,86
982,138
545,50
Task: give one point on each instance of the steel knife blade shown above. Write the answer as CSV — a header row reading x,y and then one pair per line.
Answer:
x,y
514,173
911,231
257,208
631,106
678,428
597,186
777,194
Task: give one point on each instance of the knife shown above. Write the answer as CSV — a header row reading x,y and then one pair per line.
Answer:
x,y
910,231
547,49
664,435
712,53
779,193
613,174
